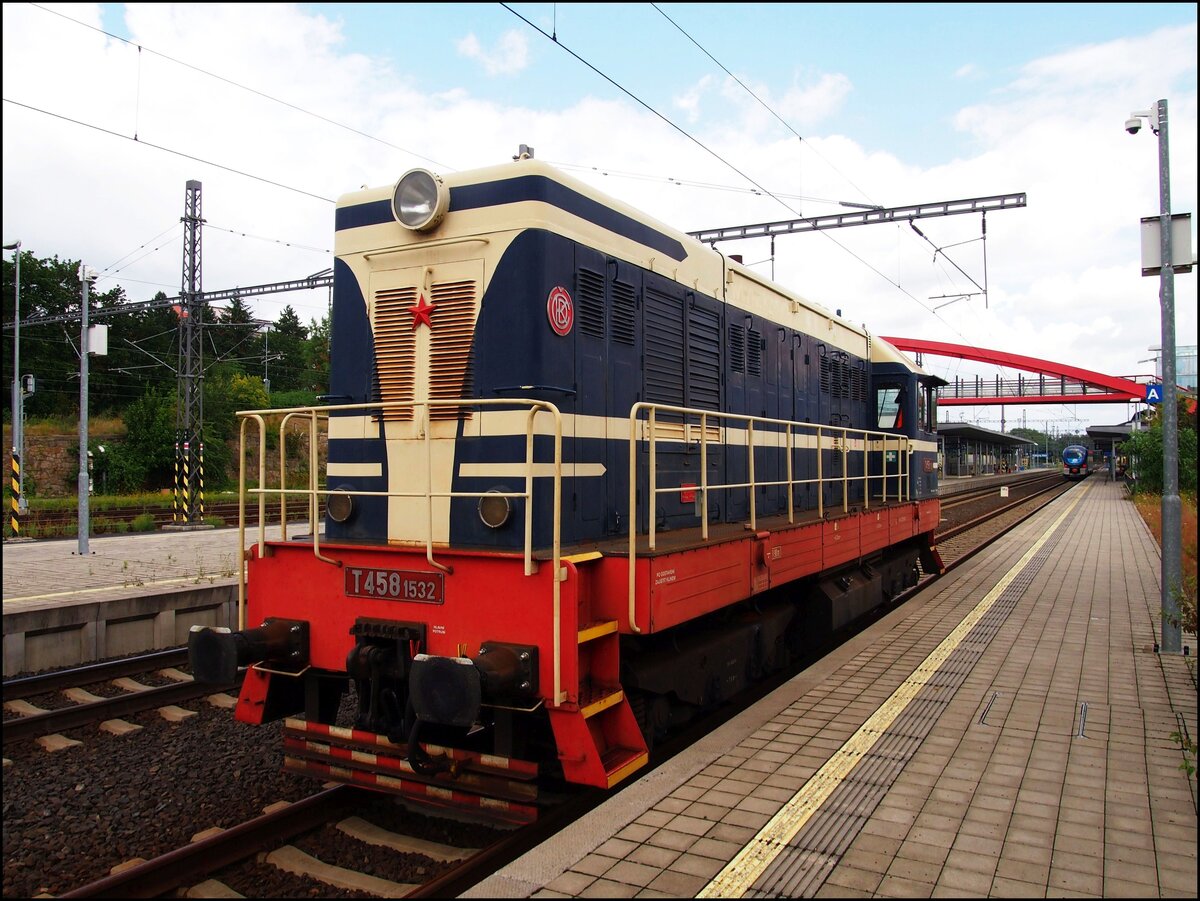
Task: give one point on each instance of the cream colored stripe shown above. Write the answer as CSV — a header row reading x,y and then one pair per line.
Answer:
x,y
750,863
517,470
370,470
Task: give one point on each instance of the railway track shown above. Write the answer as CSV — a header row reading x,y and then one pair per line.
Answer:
x,y
30,720
1018,488
203,865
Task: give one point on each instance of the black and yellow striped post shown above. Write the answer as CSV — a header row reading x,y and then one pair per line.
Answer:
x,y
187,481
15,494
200,475
175,496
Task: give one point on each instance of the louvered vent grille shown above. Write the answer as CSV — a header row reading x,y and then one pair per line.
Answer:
x,y
395,350
624,312
858,382
826,375
737,348
664,348
589,294
450,354
754,346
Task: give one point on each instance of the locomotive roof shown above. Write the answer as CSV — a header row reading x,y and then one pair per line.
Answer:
x,y
666,246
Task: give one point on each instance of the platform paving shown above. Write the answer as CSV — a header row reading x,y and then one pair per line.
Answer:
x,y
39,574
1036,760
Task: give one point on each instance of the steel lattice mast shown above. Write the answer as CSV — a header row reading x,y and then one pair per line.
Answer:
x,y
189,417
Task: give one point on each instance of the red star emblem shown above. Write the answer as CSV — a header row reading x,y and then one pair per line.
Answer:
x,y
420,313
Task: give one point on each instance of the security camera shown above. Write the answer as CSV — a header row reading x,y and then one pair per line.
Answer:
x,y
1133,126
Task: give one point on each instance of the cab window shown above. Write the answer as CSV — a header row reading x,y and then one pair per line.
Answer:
x,y
888,411
927,414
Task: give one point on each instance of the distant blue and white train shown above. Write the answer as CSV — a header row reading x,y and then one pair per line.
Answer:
x,y
1075,461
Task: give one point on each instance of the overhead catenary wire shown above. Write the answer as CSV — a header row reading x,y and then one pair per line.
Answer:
x,y
236,84
170,150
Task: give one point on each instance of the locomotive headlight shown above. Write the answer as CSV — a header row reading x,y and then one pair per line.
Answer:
x,y
339,505
420,200
494,510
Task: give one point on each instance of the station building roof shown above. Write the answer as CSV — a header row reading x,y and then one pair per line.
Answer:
x,y
969,432
1109,432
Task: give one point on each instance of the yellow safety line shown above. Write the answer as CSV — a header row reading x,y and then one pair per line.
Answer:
x,y
750,863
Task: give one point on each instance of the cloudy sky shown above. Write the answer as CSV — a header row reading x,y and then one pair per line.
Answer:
x,y
703,115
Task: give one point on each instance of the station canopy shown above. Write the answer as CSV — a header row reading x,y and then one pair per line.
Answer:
x,y
965,431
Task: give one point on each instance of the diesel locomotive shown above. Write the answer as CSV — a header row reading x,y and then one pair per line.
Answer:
x,y
585,477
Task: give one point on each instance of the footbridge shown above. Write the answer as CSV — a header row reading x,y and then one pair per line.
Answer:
x,y
1039,382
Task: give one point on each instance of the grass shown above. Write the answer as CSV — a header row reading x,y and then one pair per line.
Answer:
x,y
66,425
1150,508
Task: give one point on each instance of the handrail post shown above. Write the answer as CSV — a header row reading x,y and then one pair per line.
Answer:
x,y
820,473
907,469
789,441
262,504
652,499
750,472
866,471
559,575
633,411
282,477
314,526
704,476
529,422
428,430
845,470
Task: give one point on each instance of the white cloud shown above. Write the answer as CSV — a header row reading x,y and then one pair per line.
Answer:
x,y
510,56
689,100
809,104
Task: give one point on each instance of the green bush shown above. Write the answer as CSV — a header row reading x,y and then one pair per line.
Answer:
x,y
1147,447
143,522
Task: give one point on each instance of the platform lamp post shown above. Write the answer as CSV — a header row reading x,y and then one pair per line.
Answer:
x,y
1172,511
18,393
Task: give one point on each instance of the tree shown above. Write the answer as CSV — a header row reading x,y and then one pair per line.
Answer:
x,y
227,390
233,335
288,338
145,459
1147,447
316,355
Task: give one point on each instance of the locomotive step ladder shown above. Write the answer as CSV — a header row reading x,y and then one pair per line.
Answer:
x,y
599,731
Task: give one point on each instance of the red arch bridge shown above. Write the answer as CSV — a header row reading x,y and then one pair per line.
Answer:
x,y
1040,382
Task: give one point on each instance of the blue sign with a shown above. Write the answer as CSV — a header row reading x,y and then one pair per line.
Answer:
x,y
1154,394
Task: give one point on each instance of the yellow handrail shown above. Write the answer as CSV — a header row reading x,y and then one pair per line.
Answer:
x,y
313,493
787,431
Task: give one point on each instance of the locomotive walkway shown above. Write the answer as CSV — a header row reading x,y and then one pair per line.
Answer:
x,y
1006,734
133,593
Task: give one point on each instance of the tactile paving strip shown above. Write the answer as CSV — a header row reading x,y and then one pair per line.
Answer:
x,y
812,854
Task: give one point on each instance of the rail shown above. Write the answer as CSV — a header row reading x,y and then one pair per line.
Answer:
x,y
692,425
421,410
